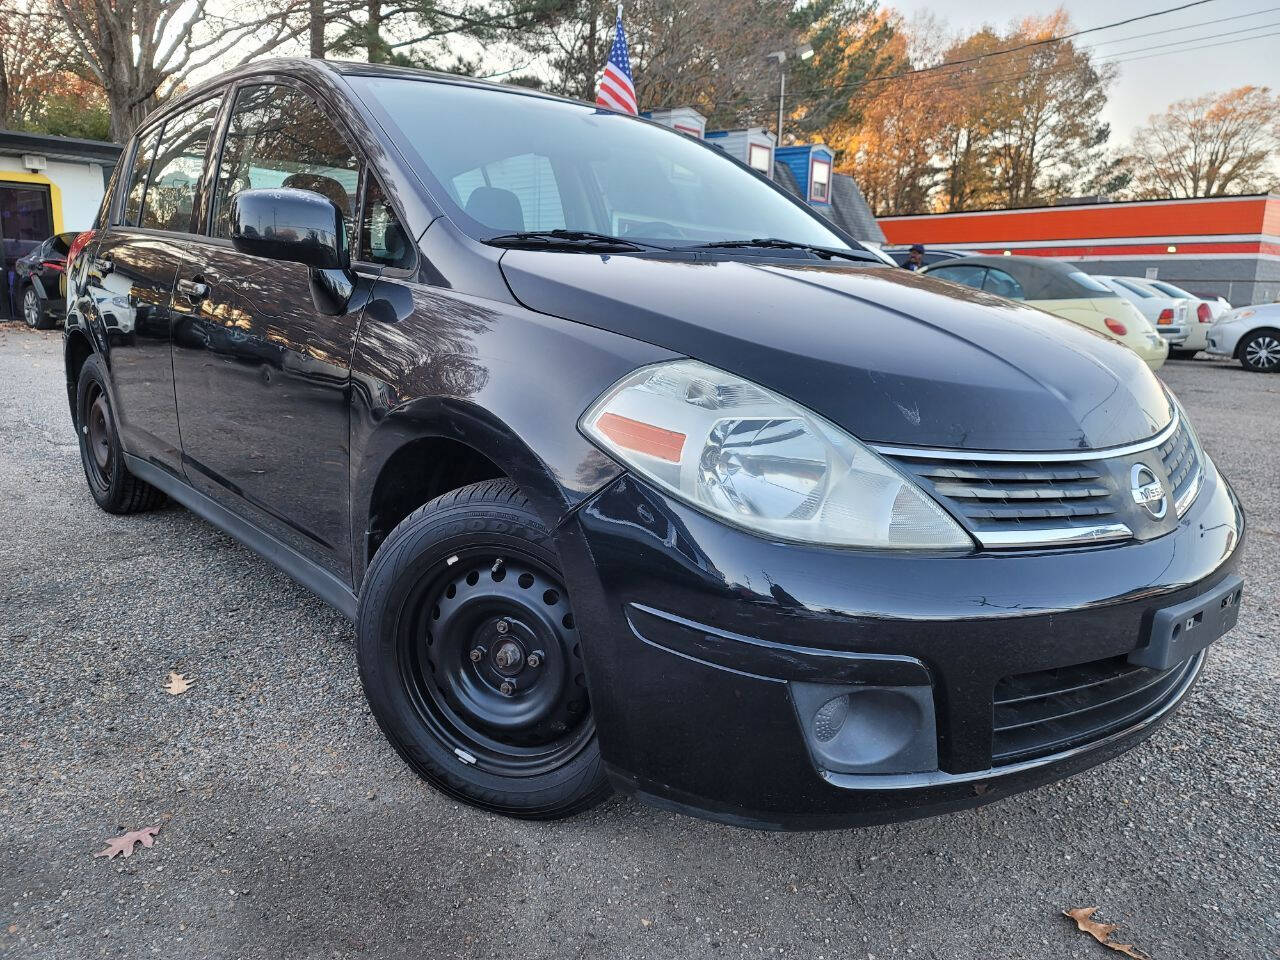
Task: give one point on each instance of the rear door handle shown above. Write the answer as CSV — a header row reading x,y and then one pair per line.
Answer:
x,y
193,289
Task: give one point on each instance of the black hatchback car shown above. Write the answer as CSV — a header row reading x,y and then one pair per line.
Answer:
x,y
633,471
37,281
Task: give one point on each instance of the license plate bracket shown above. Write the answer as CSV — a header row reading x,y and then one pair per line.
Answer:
x,y
1186,628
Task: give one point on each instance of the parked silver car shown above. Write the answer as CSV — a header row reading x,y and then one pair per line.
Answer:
x,y
1250,335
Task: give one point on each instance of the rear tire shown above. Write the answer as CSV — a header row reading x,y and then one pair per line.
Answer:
x,y
1260,351
33,311
470,657
115,489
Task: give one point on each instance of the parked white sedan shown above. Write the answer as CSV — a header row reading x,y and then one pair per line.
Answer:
x,y
1201,314
1250,335
1170,316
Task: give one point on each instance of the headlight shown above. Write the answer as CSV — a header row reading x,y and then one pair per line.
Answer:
x,y
756,460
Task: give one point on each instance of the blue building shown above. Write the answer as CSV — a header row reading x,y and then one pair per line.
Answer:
x,y
811,165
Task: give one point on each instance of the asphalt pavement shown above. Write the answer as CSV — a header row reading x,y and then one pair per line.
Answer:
x,y
289,828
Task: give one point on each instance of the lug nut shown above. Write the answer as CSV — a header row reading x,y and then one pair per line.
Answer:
x,y
534,658
477,654
507,688
503,626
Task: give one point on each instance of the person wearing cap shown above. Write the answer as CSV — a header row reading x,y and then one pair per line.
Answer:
x,y
915,257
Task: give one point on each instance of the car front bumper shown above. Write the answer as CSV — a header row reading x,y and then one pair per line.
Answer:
x,y
708,648
1223,340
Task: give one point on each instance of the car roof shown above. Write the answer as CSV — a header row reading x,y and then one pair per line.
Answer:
x,y
325,72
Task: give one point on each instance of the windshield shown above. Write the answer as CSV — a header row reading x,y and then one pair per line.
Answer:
x,y
1169,289
1133,288
505,163
1088,282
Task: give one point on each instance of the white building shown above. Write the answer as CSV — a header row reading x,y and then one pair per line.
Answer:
x,y
48,185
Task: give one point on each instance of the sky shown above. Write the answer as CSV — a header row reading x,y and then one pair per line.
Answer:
x,y
1147,86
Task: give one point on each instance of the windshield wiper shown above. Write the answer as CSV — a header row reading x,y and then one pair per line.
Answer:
x,y
567,240
774,243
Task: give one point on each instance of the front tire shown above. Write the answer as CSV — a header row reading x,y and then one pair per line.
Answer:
x,y
33,311
1260,351
471,661
115,489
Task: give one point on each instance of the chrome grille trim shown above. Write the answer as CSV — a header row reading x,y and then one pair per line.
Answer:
x,y
1184,464
1011,501
1053,537
1035,456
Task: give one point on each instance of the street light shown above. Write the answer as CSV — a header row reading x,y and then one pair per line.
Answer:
x,y
804,52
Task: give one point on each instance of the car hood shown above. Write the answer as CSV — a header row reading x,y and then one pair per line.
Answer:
x,y
890,356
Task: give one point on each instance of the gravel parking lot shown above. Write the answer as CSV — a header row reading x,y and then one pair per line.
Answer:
x,y
289,828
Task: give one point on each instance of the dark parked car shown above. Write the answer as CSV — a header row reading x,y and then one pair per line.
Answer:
x,y
38,280
632,470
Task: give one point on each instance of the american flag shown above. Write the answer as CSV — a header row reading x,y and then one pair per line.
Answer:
x,y
617,92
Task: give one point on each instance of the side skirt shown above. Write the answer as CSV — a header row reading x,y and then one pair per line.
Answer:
x,y
312,576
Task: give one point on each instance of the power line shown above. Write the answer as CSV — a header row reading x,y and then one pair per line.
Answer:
x,y
1185,26
1120,56
1033,43
1220,43
1175,43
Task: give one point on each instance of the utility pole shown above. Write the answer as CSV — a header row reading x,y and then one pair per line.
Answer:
x,y
804,52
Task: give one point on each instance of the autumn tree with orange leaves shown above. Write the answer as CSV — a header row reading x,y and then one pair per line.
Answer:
x,y
967,124
1209,146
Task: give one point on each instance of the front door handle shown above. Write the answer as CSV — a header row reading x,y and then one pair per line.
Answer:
x,y
193,289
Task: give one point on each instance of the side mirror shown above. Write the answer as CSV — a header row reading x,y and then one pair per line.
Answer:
x,y
297,226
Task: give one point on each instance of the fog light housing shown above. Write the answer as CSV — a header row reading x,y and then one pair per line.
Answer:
x,y
868,729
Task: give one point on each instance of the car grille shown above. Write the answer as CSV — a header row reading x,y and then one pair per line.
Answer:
x,y
1183,466
1049,711
1010,500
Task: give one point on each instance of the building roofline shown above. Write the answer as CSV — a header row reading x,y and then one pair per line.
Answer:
x,y
1065,207
60,148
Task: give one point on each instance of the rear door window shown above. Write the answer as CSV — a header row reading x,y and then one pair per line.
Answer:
x,y
279,137
171,191
139,172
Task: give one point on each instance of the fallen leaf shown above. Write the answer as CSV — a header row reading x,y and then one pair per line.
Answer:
x,y
124,843
178,683
1101,931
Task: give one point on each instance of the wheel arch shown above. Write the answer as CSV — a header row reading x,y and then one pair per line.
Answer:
x,y
425,449
76,350
1250,334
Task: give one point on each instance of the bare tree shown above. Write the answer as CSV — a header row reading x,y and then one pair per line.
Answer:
x,y
141,51
1210,145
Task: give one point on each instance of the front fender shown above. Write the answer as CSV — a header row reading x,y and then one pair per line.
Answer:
x,y
503,380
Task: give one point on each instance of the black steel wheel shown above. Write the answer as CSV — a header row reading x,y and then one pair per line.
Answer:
x,y
1260,351
471,658
115,489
